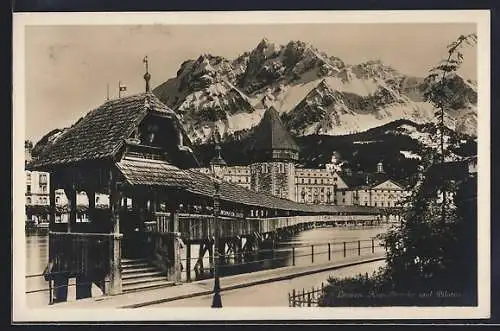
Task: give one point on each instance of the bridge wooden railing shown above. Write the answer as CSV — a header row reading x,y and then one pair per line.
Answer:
x,y
199,226
76,254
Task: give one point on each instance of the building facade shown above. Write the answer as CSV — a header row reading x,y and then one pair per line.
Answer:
x,y
275,154
37,196
274,171
37,188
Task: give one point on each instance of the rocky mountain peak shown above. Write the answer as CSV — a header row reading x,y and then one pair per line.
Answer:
x,y
315,92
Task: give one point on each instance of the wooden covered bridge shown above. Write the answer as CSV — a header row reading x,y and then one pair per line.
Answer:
x,y
136,150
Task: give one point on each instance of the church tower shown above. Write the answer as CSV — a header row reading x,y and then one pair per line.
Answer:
x,y
274,154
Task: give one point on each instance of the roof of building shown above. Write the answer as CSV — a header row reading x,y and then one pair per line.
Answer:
x,y
100,133
271,134
365,180
202,184
147,172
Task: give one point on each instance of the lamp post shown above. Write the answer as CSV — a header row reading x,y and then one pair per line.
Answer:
x,y
217,165
335,194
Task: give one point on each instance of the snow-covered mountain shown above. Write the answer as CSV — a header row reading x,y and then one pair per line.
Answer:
x,y
315,93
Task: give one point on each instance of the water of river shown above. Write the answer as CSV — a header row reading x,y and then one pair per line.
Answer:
x,y
37,254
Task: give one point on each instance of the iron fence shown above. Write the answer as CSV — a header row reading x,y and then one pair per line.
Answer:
x,y
285,257
309,298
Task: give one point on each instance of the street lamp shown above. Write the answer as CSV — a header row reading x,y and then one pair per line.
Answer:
x,y
217,165
335,194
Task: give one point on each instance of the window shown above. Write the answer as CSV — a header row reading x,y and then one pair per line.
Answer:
x,y
366,203
28,200
315,181
28,188
43,179
309,180
343,200
343,192
28,176
43,188
302,180
375,204
57,199
334,179
321,180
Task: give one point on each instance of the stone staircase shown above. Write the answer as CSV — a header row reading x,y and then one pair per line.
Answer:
x,y
139,274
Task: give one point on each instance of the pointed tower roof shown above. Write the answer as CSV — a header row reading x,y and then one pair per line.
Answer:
x,y
271,134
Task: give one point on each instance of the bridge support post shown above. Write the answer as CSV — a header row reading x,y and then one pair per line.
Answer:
x,y
115,277
174,270
238,251
188,260
198,267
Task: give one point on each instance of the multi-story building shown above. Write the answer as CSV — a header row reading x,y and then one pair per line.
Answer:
x,y
36,190
274,171
236,174
37,195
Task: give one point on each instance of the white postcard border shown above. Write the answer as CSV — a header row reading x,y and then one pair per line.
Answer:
x,y
480,17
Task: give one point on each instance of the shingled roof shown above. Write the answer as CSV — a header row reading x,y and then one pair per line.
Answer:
x,y
202,184
147,172
101,133
271,134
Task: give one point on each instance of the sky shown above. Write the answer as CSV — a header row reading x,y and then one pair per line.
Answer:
x,y
68,67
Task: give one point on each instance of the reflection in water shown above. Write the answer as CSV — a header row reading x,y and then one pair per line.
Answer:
x,y
282,255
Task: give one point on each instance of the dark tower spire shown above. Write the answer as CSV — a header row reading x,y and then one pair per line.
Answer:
x,y
147,76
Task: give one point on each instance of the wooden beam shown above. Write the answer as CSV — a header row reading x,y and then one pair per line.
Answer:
x,y
115,286
70,192
173,208
188,260
52,201
115,199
